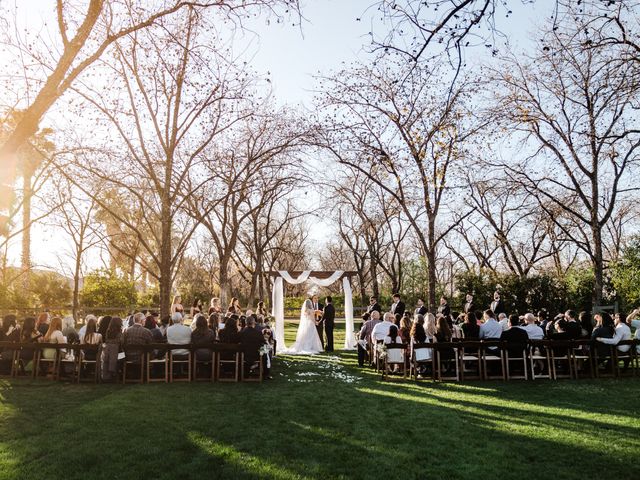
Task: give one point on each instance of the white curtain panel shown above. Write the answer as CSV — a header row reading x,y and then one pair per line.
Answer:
x,y
277,300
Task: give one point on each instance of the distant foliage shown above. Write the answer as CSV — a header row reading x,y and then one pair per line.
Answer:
x,y
50,290
104,288
625,275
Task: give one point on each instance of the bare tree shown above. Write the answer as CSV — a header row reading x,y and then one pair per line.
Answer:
x,y
573,108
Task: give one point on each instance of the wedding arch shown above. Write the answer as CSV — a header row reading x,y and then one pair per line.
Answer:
x,y
321,279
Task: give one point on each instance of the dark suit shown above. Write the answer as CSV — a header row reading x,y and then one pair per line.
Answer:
x,y
516,339
497,307
444,310
399,310
374,308
469,307
319,323
329,317
421,310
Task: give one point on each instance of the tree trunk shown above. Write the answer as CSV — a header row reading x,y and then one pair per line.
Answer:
x,y
76,285
26,230
431,266
225,288
165,259
598,267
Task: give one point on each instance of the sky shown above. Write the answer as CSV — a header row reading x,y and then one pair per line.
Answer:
x,y
329,35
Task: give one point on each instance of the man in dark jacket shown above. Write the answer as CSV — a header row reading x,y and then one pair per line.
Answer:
x,y
251,341
515,337
328,317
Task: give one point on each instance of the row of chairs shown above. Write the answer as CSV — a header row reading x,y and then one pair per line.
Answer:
x,y
489,360
138,363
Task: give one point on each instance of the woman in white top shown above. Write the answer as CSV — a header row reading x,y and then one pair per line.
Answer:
x,y
393,336
53,335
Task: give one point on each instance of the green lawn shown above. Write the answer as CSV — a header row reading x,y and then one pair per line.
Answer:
x,y
321,418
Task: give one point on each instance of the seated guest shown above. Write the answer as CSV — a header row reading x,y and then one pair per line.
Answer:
x,y
585,322
443,335
405,330
381,330
574,329
364,336
202,335
251,341
393,336
633,319
136,334
8,333
503,320
430,328
28,334
165,322
470,327
110,349
178,334
156,333
103,325
396,319
417,330
543,319
515,337
83,329
42,325
622,333
230,333
69,330
534,332
490,329
91,337
213,323
604,328
259,322
53,335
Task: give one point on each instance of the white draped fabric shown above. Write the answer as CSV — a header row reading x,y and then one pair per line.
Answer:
x,y
277,300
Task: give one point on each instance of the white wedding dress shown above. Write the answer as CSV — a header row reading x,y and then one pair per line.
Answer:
x,y
307,339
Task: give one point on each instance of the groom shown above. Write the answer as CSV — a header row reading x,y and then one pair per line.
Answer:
x,y
319,318
328,317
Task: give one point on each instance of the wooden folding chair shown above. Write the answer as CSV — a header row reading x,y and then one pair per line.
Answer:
x,y
228,355
627,358
520,357
582,356
469,353
491,351
157,358
539,354
609,358
561,352
89,358
178,360
422,355
134,360
395,356
447,352
8,363
51,364
244,377
209,365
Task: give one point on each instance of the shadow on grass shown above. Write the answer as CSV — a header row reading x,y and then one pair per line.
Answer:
x,y
337,423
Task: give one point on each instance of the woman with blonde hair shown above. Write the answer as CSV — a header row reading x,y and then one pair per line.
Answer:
x,y
176,304
430,328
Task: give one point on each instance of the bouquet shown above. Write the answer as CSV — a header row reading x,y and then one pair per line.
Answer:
x,y
266,350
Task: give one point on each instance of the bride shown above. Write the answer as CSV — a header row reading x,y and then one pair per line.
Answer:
x,y
307,339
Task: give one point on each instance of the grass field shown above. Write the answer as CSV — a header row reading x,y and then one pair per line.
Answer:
x,y
321,418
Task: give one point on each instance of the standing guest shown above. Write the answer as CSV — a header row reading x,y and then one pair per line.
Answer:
x,y
585,322
202,336
262,310
573,327
534,332
176,305
91,337
381,330
392,336
420,308
497,306
214,306
490,329
103,325
151,325
374,306
178,334
364,336
234,306
405,330
53,335
469,305
136,335
43,323
470,327
365,318
444,309
622,333
397,308
69,330
196,308
111,348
